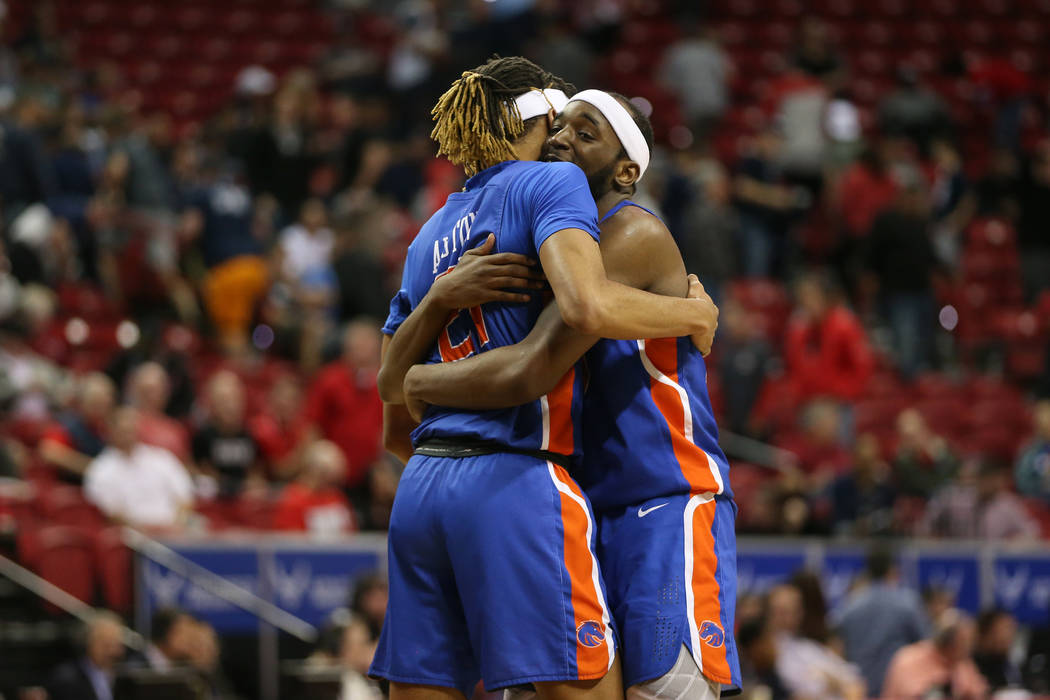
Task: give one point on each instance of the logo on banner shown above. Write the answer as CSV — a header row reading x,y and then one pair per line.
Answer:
x,y
292,585
164,585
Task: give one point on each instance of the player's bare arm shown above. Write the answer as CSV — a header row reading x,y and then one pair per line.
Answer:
x,y
637,250
478,278
595,305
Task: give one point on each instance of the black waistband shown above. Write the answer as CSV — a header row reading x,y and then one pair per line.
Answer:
x,y
463,447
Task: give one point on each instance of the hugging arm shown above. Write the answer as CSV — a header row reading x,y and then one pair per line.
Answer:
x,y
478,278
596,305
505,376
516,374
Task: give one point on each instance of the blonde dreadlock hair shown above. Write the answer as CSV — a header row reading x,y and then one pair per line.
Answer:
x,y
477,120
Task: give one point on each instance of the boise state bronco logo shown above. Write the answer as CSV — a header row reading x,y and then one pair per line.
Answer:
x,y
590,634
712,634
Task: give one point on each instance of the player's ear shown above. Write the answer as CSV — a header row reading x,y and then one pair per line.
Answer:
x,y
627,173
551,116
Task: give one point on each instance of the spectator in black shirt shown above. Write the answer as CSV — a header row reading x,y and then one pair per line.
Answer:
x,y
901,261
862,500
814,54
1033,228
758,652
744,357
223,448
766,205
996,630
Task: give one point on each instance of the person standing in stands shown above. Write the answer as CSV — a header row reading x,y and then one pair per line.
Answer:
x,y
825,347
219,218
878,619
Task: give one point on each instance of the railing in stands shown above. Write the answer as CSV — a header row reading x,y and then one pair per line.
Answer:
x,y
219,586
25,578
272,617
755,451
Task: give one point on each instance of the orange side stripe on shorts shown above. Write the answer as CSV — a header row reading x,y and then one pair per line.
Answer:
x,y
559,402
706,605
663,353
591,661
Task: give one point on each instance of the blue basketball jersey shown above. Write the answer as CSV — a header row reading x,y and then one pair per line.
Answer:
x,y
522,203
649,429
659,483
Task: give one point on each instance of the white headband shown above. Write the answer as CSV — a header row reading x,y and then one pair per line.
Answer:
x,y
536,102
622,123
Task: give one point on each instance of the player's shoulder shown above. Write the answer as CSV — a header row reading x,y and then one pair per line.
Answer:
x,y
636,225
548,175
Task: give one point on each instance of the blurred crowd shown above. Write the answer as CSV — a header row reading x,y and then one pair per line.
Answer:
x,y
188,307
883,640
183,657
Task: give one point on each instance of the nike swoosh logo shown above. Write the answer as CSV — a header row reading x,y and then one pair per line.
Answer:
x,y
642,512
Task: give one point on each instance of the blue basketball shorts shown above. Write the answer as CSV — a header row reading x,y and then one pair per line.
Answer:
x,y
670,569
493,576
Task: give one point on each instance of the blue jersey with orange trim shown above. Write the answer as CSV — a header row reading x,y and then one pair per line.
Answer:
x,y
649,429
522,203
659,483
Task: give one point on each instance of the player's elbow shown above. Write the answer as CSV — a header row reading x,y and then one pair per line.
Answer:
x,y
582,314
390,389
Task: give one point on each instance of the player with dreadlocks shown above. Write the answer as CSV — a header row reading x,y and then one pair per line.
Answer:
x,y
651,464
492,566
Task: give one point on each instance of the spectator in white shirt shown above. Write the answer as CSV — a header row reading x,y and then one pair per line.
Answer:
x,y
307,244
137,484
806,668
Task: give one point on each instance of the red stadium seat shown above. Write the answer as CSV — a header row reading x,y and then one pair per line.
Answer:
x,y
19,508
64,556
113,563
66,505
932,385
889,8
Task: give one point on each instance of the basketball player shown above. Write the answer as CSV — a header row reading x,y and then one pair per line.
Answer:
x,y
651,463
491,558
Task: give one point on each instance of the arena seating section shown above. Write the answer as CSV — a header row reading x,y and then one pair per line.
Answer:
x,y
183,58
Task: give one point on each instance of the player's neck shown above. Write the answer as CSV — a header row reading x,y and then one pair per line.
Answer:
x,y
609,200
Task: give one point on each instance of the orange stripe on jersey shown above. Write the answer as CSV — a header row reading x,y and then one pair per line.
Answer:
x,y
590,617
707,610
559,407
662,353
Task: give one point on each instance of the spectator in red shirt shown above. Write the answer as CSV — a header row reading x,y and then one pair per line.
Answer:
x,y
1002,84
343,403
826,350
78,436
866,188
279,430
313,502
148,391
